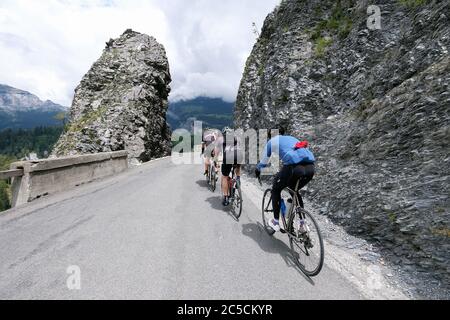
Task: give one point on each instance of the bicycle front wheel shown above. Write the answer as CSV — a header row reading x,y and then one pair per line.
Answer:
x,y
213,180
307,244
237,202
267,211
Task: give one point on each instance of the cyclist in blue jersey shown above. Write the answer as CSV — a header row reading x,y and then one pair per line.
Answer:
x,y
298,165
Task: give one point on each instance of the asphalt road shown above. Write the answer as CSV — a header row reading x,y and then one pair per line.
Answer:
x,y
153,232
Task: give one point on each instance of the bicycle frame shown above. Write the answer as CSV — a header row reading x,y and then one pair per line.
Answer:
x,y
212,166
291,213
231,180
288,215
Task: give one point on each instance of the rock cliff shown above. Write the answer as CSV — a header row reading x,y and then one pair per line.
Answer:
x,y
375,105
121,102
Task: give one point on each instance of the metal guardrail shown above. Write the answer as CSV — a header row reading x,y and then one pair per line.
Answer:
x,y
11,173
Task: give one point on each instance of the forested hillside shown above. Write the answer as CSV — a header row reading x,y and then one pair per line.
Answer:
x,y
214,113
19,143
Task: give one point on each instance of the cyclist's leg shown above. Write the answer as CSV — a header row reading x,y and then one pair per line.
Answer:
x,y
226,170
281,181
237,170
238,161
207,162
303,174
216,162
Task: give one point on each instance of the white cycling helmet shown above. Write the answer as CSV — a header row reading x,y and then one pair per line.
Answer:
x,y
226,130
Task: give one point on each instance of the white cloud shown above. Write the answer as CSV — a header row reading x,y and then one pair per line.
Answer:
x,y
46,46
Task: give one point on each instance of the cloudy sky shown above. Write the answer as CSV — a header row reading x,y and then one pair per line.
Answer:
x,y
46,46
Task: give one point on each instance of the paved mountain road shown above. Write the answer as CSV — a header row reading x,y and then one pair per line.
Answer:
x,y
153,232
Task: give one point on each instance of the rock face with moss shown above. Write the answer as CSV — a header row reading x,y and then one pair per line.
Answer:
x,y
375,105
121,102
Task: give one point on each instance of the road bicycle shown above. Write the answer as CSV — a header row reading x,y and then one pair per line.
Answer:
x,y
302,229
234,186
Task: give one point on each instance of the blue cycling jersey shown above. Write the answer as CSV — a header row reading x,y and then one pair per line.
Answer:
x,y
284,146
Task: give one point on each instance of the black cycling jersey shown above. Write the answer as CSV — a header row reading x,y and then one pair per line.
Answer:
x,y
232,154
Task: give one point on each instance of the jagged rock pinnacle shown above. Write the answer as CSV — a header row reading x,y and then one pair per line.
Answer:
x,y
121,102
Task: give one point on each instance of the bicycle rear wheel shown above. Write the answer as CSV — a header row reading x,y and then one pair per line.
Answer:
x,y
213,179
208,178
307,247
267,211
237,201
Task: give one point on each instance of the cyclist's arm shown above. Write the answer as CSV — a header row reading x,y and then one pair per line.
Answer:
x,y
218,147
265,156
217,151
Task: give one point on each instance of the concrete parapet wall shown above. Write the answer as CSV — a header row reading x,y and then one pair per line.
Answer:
x,y
48,176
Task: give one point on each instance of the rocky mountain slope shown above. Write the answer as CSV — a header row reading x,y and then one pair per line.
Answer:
x,y
21,109
121,102
375,105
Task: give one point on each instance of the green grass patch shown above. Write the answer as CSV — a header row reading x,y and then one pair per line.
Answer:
x,y
87,119
337,24
261,70
321,45
392,217
344,28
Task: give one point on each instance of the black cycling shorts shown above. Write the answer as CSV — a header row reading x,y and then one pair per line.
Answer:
x,y
226,169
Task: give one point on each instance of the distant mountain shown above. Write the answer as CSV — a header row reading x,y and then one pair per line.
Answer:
x,y
213,112
21,109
